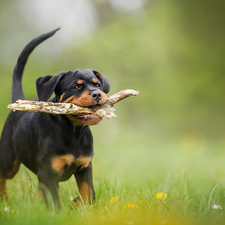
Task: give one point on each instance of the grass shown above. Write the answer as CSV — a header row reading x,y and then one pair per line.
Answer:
x,y
179,65
190,171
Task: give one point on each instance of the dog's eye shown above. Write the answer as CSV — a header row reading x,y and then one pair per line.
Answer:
x,y
97,85
77,87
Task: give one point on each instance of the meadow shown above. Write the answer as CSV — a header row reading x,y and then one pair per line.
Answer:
x,y
137,181
161,161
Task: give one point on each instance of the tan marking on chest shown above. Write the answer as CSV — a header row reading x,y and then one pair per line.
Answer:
x,y
59,162
83,161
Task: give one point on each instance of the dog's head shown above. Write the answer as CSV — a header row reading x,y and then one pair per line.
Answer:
x,y
81,87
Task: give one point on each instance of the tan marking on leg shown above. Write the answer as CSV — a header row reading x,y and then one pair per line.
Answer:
x,y
15,169
84,192
58,162
3,192
83,161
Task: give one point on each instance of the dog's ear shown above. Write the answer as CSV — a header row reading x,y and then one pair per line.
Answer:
x,y
46,85
104,80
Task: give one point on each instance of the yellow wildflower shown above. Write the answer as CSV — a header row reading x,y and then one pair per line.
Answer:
x,y
114,199
161,195
131,205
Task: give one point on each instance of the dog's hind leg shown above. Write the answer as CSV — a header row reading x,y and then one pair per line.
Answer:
x,y
3,192
9,164
4,176
10,175
7,172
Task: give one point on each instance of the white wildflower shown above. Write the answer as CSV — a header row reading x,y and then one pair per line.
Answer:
x,y
216,207
7,209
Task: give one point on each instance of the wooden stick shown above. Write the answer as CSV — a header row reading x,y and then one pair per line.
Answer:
x,y
104,110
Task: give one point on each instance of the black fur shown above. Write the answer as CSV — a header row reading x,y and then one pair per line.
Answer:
x,y
54,147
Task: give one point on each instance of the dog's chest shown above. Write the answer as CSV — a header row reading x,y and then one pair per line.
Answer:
x,y
66,165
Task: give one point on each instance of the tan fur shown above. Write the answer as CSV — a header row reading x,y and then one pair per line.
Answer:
x,y
85,99
68,99
58,162
84,191
83,161
79,82
61,97
11,174
98,75
104,97
3,193
15,169
95,81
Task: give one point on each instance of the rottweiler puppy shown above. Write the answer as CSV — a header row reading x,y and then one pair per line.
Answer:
x,y
54,147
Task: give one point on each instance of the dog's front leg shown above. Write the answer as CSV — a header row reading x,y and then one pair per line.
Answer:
x,y
49,188
85,184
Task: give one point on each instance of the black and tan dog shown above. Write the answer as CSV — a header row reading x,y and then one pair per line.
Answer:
x,y
54,147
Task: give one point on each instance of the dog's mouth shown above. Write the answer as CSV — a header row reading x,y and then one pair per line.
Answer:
x,y
88,119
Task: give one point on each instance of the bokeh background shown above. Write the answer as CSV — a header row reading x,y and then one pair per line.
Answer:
x,y
171,51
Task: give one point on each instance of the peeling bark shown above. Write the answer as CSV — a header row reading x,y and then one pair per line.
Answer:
x,y
106,110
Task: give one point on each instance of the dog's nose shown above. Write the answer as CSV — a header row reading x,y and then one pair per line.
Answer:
x,y
96,95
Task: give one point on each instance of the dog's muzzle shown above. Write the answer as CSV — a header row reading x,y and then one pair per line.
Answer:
x,y
96,95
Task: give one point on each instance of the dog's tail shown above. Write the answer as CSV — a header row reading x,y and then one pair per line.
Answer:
x,y
17,90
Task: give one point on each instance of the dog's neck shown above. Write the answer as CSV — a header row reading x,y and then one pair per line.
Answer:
x,y
74,121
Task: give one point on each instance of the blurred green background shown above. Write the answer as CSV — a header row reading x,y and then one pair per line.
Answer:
x,y
171,51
